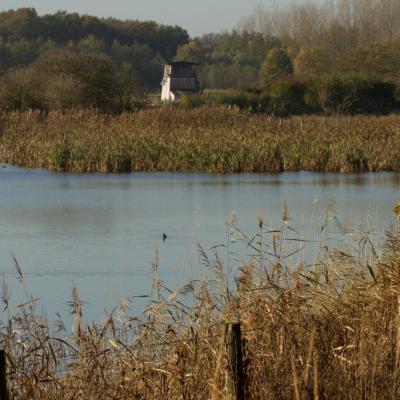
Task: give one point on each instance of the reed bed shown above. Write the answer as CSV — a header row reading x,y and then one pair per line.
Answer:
x,y
330,330
212,140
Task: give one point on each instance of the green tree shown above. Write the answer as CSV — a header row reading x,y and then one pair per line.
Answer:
x,y
5,60
147,64
287,98
131,88
277,66
48,45
21,52
91,44
194,51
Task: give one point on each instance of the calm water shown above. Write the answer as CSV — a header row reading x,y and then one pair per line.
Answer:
x,y
101,231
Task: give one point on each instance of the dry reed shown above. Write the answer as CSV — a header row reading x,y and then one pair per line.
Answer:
x,y
214,140
326,331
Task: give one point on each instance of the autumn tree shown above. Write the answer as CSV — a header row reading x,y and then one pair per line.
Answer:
x,y
277,66
314,61
94,71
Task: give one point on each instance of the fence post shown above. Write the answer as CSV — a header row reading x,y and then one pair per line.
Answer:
x,y
235,376
3,376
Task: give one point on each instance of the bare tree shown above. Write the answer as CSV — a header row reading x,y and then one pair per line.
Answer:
x,y
337,24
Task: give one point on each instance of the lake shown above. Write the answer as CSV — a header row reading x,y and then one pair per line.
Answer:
x,y
101,232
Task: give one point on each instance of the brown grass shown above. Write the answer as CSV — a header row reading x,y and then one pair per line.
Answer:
x,y
326,331
215,140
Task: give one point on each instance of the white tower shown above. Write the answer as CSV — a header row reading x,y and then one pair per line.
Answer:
x,y
179,79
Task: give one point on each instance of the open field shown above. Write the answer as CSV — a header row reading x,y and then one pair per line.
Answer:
x,y
214,140
326,331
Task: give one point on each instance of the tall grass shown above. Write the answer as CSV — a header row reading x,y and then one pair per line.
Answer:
x,y
214,140
326,331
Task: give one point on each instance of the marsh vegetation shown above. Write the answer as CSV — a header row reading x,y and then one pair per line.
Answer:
x,y
214,140
329,330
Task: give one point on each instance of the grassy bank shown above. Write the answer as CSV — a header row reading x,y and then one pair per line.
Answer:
x,y
326,331
215,140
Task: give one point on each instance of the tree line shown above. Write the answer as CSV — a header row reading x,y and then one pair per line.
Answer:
x,y
66,59
340,56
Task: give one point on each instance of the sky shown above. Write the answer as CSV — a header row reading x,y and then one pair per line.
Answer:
x,y
196,16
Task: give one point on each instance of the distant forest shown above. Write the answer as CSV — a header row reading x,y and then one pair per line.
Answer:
x,y
326,54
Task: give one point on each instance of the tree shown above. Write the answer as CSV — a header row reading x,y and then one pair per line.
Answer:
x,y
91,44
383,59
94,71
277,66
194,51
287,98
65,91
22,89
314,61
131,88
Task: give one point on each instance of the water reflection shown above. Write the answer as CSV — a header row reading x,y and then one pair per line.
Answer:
x,y
101,231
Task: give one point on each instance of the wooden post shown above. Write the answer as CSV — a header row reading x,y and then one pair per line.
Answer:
x,y
3,377
235,376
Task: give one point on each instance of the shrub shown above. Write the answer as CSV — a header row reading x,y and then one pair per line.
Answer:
x,y
65,91
353,96
22,90
192,101
287,98
61,80
246,100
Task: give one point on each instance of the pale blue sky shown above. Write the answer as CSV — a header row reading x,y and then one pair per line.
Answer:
x,y
197,16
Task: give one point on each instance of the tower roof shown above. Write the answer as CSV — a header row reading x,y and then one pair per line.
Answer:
x,y
182,63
